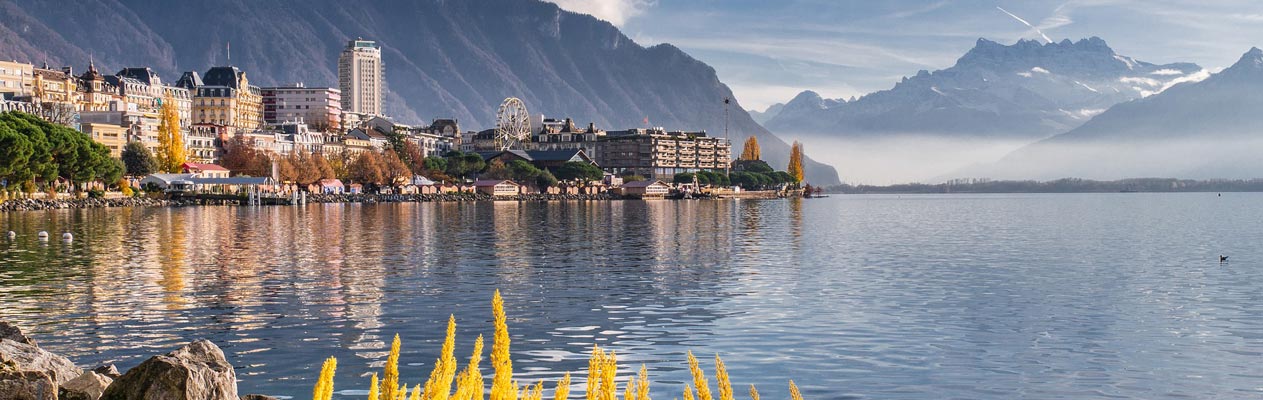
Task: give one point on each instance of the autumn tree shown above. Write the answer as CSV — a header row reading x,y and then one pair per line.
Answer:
x,y
394,167
750,151
242,158
367,168
171,149
795,167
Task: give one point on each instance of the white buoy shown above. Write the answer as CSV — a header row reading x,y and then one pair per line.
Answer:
x,y
12,235
43,235
67,236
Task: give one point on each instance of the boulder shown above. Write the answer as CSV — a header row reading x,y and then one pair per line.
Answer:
x,y
11,332
27,385
197,371
109,370
15,356
88,386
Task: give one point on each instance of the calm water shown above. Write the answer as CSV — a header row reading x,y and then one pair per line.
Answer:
x,y
875,297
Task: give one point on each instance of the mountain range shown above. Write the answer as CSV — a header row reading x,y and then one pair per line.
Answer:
x,y
1024,91
443,58
1206,129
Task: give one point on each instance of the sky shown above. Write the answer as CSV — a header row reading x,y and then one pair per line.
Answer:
x,y
768,51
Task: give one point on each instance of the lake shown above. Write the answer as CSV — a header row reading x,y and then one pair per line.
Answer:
x,y
869,297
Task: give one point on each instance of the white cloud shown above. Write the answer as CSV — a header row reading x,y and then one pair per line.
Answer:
x,y
1193,77
1167,71
616,12
1039,70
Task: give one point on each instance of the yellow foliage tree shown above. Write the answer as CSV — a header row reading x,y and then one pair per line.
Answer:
x,y
502,385
390,380
601,384
439,386
324,386
795,168
171,150
750,151
699,379
721,376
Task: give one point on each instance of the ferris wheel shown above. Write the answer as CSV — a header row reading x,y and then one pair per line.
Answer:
x,y
513,124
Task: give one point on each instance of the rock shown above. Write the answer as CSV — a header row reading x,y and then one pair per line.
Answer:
x,y
11,332
197,371
257,397
88,386
16,356
27,385
109,370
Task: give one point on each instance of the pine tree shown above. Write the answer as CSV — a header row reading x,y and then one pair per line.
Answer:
x,y
795,168
171,150
750,151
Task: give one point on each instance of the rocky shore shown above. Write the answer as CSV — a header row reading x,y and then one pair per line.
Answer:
x,y
39,204
196,371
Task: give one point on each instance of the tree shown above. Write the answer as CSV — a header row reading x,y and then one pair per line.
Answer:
x,y
15,154
758,166
138,160
750,151
464,164
545,179
683,177
171,149
395,168
368,168
579,171
412,155
242,158
795,168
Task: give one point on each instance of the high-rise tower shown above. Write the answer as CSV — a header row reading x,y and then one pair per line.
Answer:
x,y
361,76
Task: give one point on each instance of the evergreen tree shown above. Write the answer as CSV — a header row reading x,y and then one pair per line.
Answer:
x,y
138,160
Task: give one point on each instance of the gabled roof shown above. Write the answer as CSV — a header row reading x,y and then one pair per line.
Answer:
x,y
145,75
190,80
223,76
167,178
493,182
202,167
641,184
331,182
236,180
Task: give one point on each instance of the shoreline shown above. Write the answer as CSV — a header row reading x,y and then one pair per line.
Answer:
x,y
17,205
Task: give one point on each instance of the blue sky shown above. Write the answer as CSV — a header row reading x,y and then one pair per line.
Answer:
x,y
767,51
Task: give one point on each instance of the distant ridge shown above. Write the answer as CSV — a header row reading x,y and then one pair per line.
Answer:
x,y
1206,129
1028,90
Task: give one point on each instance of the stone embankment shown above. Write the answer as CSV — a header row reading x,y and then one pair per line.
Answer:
x,y
196,371
40,204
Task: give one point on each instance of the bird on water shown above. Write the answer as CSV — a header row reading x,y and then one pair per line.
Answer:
x,y
1223,258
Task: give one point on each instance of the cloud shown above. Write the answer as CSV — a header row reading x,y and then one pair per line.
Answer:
x,y
617,12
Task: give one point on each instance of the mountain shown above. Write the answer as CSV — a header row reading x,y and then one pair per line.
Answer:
x,y
444,58
1027,90
762,116
1206,129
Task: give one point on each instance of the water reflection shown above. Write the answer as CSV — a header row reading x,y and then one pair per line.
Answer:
x,y
919,297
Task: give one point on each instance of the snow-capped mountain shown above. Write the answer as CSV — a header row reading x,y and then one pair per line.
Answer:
x,y
1028,90
1206,129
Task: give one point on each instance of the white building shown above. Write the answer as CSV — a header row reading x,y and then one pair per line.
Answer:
x,y
318,107
361,75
